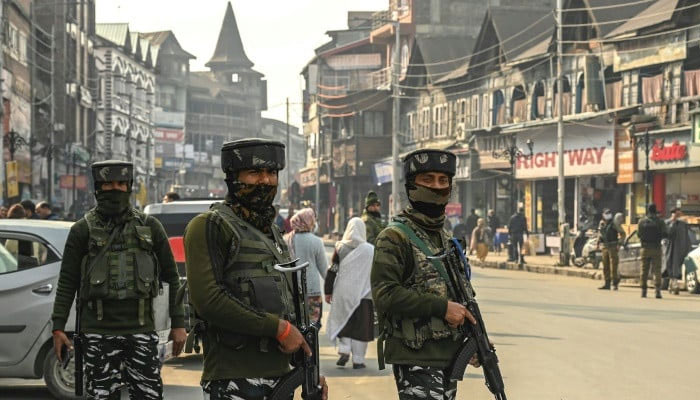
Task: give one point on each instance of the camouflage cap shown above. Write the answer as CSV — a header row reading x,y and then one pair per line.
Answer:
x,y
112,170
429,160
252,154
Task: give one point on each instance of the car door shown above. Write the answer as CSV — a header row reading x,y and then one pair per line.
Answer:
x,y
28,276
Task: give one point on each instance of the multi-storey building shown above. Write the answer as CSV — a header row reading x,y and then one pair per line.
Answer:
x,y
65,83
171,63
223,103
296,152
125,102
16,99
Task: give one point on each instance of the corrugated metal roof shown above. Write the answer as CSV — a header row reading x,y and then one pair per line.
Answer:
x,y
516,26
229,48
115,33
659,12
437,51
136,45
604,17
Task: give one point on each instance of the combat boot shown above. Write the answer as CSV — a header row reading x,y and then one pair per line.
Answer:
x,y
616,283
644,292
658,293
606,286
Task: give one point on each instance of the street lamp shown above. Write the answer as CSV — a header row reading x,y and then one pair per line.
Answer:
x,y
644,141
512,153
14,141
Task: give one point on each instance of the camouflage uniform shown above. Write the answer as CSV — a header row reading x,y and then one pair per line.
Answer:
x,y
410,293
138,353
423,383
230,253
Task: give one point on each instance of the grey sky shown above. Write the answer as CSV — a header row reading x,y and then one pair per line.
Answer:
x,y
278,35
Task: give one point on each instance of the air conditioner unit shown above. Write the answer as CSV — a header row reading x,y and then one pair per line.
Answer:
x,y
461,131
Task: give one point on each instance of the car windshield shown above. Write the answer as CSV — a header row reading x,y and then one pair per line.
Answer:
x,y
8,263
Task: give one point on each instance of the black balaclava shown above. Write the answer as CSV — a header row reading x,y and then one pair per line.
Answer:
x,y
111,203
253,203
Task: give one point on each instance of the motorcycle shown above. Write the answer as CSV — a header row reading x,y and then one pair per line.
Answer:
x,y
586,247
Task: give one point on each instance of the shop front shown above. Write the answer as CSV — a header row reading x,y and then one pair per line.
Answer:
x,y
490,178
674,160
589,170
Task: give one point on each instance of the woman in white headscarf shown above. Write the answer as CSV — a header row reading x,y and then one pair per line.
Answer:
x,y
351,319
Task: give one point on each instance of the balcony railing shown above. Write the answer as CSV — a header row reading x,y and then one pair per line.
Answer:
x,y
375,80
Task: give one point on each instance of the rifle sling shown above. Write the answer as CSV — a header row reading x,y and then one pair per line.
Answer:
x,y
439,267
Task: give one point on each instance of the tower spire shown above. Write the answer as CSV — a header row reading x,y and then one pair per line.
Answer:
x,y
229,51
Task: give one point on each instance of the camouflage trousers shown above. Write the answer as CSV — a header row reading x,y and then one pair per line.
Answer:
x,y
103,359
423,383
239,389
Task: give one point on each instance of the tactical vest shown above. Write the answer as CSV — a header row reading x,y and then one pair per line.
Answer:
x,y
128,269
414,332
649,232
610,234
250,277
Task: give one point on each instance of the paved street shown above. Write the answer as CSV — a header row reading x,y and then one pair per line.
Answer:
x,y
557,338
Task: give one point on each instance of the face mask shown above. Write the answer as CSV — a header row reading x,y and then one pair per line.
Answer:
x,y
112,202
256,200
431,202
607,217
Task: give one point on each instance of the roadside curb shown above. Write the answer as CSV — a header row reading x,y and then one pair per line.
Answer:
x,y
547,269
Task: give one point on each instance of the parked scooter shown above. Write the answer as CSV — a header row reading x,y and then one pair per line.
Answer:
x,y
586,249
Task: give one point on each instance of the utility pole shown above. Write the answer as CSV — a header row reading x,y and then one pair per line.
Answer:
x,y
289,169
647,172
318,173
3,178
560,131
396,119
52,118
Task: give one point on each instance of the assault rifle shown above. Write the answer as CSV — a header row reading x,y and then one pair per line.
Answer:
x,y
475,341
306,369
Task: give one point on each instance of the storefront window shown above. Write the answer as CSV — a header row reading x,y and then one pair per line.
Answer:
x,y
599,193
546,212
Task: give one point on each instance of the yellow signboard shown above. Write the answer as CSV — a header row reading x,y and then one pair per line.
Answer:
x,y
12,183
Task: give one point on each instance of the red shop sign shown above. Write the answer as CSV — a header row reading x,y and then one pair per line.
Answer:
x,y
674,152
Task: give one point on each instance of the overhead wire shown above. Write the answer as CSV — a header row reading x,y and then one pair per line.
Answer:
x,y
631,38
637,18
618,5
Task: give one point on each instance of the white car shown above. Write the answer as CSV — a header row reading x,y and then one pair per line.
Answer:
x,y
30,263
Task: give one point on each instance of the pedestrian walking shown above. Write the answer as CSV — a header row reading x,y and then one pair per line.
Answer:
x,y
118,257
420,320
480,240
351,319
288,220
246,304
306,246
676,249
44,211
610,236
651,230
494,223
472,220
372,217
517,227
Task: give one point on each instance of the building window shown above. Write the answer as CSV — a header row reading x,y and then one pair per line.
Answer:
x,y
440,120
498,117
373,123
411,133
539,102
235,78
425,123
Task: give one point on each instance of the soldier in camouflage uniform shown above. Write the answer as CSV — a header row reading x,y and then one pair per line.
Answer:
x,y
372,217
117,286
420,320
246,304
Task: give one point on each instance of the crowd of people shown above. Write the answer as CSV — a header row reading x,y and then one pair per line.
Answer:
x,y
26,209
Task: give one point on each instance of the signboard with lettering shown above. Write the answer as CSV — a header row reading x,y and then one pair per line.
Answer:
x,y
670,151
12,183
588,150
66,182
169,135
382,172
625,159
